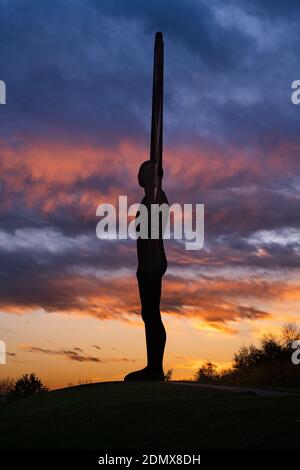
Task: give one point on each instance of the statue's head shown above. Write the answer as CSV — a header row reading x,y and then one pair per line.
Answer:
x,y
146,174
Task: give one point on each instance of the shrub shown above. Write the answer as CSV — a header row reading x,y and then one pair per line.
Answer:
x,y
169,375
27,385
269,364
207,373
6,389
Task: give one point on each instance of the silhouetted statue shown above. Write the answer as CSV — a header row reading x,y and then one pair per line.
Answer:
x,y
152,261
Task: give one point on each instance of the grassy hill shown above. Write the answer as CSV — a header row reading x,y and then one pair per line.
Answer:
x,y
116,415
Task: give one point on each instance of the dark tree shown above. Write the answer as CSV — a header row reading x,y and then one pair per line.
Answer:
x,y
6,389
27,385
169,375
207,373
268,364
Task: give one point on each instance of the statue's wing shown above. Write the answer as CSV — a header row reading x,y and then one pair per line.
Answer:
x,y
157,108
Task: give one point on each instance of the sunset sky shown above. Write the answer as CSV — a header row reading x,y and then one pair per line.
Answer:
x,y
74,131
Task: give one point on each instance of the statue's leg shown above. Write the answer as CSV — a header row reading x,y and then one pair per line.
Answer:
x,y
150,290
150,293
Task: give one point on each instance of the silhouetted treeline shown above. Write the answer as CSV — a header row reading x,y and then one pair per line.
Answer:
x,y
269,364
25,386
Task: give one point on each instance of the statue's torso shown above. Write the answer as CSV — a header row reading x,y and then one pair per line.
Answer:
x,y
151,253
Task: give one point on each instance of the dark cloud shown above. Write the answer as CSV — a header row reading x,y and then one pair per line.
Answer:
x,y
88,77
73,355
68,354
277,8
201,34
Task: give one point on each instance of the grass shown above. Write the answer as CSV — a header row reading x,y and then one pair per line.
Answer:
x,y
116,415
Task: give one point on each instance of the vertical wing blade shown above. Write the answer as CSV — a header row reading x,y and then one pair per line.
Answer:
x,y
157,107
